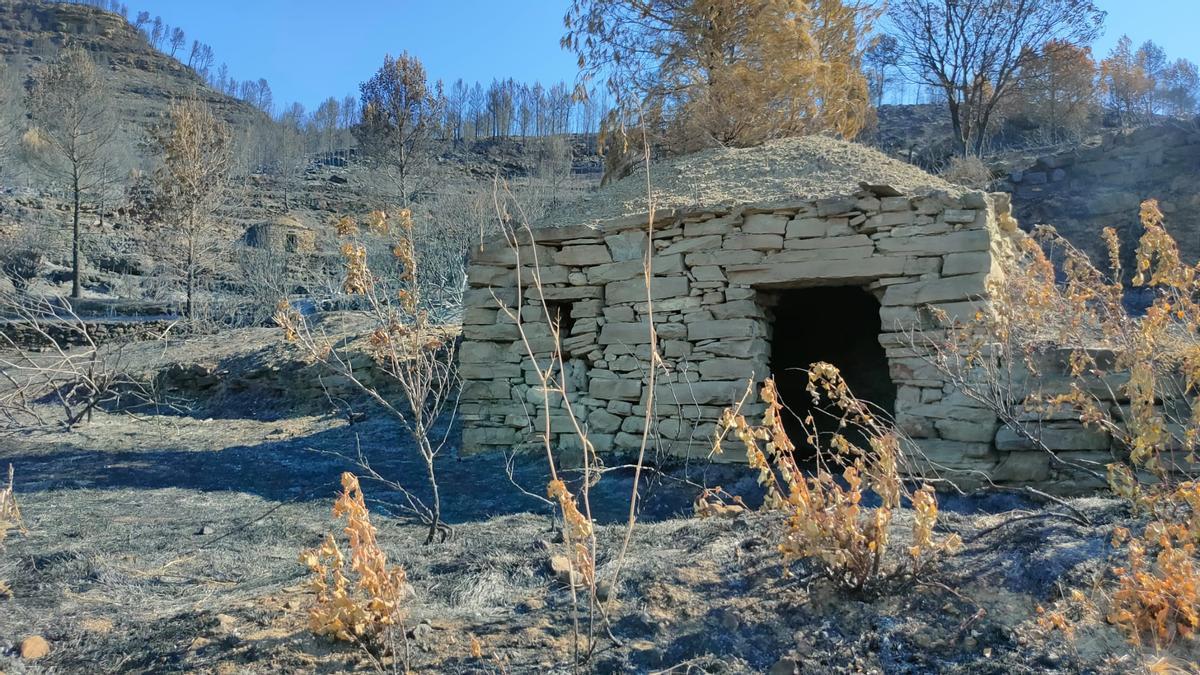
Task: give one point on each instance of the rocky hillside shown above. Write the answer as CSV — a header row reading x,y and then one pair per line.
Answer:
x,y
1083,189
143,79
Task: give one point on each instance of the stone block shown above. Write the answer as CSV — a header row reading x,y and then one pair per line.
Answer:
x,y
707,273
765,223
486,352
706,243
560,293
807,227
473,438
634,290
610,389
584,309
731,369
497,332
947,289
492,390
625,246
635,333
737,309
485,370
603,422
860,270
1066,437
727,328
700,393
723,225
1022,467
742,257
635,269
736,348
967,263
961,430
963,241
479,315
754,242
959,216
590,254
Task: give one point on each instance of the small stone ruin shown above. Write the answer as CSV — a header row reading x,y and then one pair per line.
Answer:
x,y
740,291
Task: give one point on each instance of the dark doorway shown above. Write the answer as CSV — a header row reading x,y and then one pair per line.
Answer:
x,y
839,325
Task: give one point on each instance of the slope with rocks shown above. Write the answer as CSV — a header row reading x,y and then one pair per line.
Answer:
x,y
1082,189
142,79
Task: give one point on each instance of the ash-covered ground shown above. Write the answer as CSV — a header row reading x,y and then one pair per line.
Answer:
x,y
169,543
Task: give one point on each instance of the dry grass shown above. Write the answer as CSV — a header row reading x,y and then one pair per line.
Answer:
x,y
969,171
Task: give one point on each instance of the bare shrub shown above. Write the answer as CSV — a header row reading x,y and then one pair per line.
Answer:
x,y
404,345
48,355
550,371
359,600
825,517
1157,596
22,253
969,171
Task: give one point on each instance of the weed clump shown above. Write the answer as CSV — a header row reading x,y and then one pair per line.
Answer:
x,y
360,599
10,519
10,514
826,519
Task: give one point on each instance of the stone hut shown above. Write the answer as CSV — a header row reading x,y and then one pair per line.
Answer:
x,y
283,234
763,260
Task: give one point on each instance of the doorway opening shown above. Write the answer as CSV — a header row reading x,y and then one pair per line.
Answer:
x,y
839,325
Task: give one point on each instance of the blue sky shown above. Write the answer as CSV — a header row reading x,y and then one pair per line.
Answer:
x,y
311,49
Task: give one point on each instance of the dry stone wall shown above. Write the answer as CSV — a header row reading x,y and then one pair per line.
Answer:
x,y
714,272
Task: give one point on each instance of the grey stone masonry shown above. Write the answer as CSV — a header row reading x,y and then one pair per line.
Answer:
x,y
710,272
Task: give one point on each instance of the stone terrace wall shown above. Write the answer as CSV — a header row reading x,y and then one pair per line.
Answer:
x,y
709,270
67,333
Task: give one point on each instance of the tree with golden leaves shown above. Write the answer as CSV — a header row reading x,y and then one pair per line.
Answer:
x,y
1057,90
191,183
726,72
1126,84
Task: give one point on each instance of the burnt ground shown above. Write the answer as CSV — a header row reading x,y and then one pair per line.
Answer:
x,y
169,543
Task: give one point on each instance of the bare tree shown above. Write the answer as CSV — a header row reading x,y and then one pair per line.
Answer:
x,y
289,149
878,60
157,29
325,121
197,154
201,58
177,40
415,354
69,104
400,120
973,51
